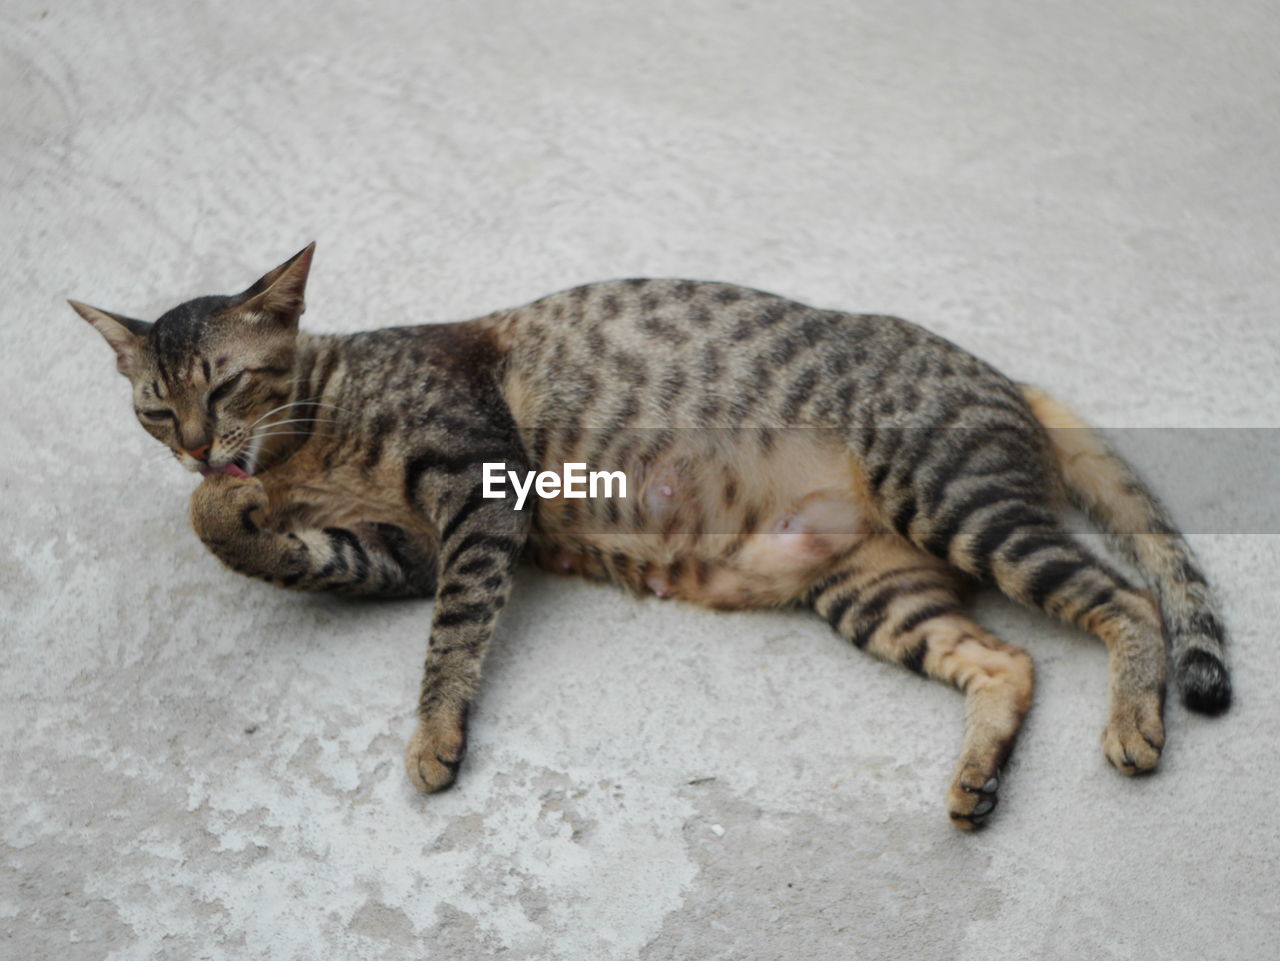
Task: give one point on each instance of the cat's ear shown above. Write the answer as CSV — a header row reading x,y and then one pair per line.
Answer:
x,y
124,334
279,294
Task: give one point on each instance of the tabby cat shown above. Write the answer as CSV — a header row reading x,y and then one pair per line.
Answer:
x,y
777,455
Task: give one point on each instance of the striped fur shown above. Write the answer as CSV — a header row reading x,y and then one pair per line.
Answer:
x,y
1137,526
888,599
778,455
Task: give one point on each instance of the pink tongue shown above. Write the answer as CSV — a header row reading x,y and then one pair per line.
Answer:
x,y
231,469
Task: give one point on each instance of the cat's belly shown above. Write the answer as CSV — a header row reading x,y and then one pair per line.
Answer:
x,y
730,519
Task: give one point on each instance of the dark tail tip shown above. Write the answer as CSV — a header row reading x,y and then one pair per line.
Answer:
x,y
1204,681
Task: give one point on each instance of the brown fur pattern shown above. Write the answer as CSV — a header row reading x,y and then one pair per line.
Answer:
x,y
777,454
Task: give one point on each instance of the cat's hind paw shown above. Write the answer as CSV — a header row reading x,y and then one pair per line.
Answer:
x,y
1134,738
436,750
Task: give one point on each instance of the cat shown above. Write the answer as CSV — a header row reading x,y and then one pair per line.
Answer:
x,y
777,455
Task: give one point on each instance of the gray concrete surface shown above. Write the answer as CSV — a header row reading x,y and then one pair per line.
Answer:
x,y
198,766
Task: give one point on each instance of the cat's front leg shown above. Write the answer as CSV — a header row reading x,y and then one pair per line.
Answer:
x,y
232,516
482,540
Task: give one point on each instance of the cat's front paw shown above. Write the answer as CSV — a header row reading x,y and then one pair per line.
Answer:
x,y
225,507
972,795
436,749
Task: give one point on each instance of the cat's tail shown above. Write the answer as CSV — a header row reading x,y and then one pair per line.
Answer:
x,y
1112,495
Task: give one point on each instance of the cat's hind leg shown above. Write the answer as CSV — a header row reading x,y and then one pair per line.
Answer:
x,y
985,500
902,605
1045,567
1108,490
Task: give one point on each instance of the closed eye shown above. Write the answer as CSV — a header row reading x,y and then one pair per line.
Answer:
x,y
224,389
157,415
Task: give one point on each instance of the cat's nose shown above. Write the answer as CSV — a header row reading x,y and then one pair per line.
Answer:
x,y
200,453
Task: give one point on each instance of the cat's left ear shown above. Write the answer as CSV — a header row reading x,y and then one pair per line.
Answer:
x,y
279,294
124,334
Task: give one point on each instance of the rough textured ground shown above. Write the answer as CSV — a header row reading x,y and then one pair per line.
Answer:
x,y
196,766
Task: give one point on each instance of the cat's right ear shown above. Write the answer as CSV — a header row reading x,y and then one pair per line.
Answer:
x,y
279,295
124,334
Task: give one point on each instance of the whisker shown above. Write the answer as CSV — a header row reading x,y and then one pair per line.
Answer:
x,y
284,423
274,410
300,420
297,403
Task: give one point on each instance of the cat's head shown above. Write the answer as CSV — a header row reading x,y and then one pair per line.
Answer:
x,y
211,377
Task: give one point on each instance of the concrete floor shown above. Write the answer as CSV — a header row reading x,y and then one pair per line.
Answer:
x,y
199,766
